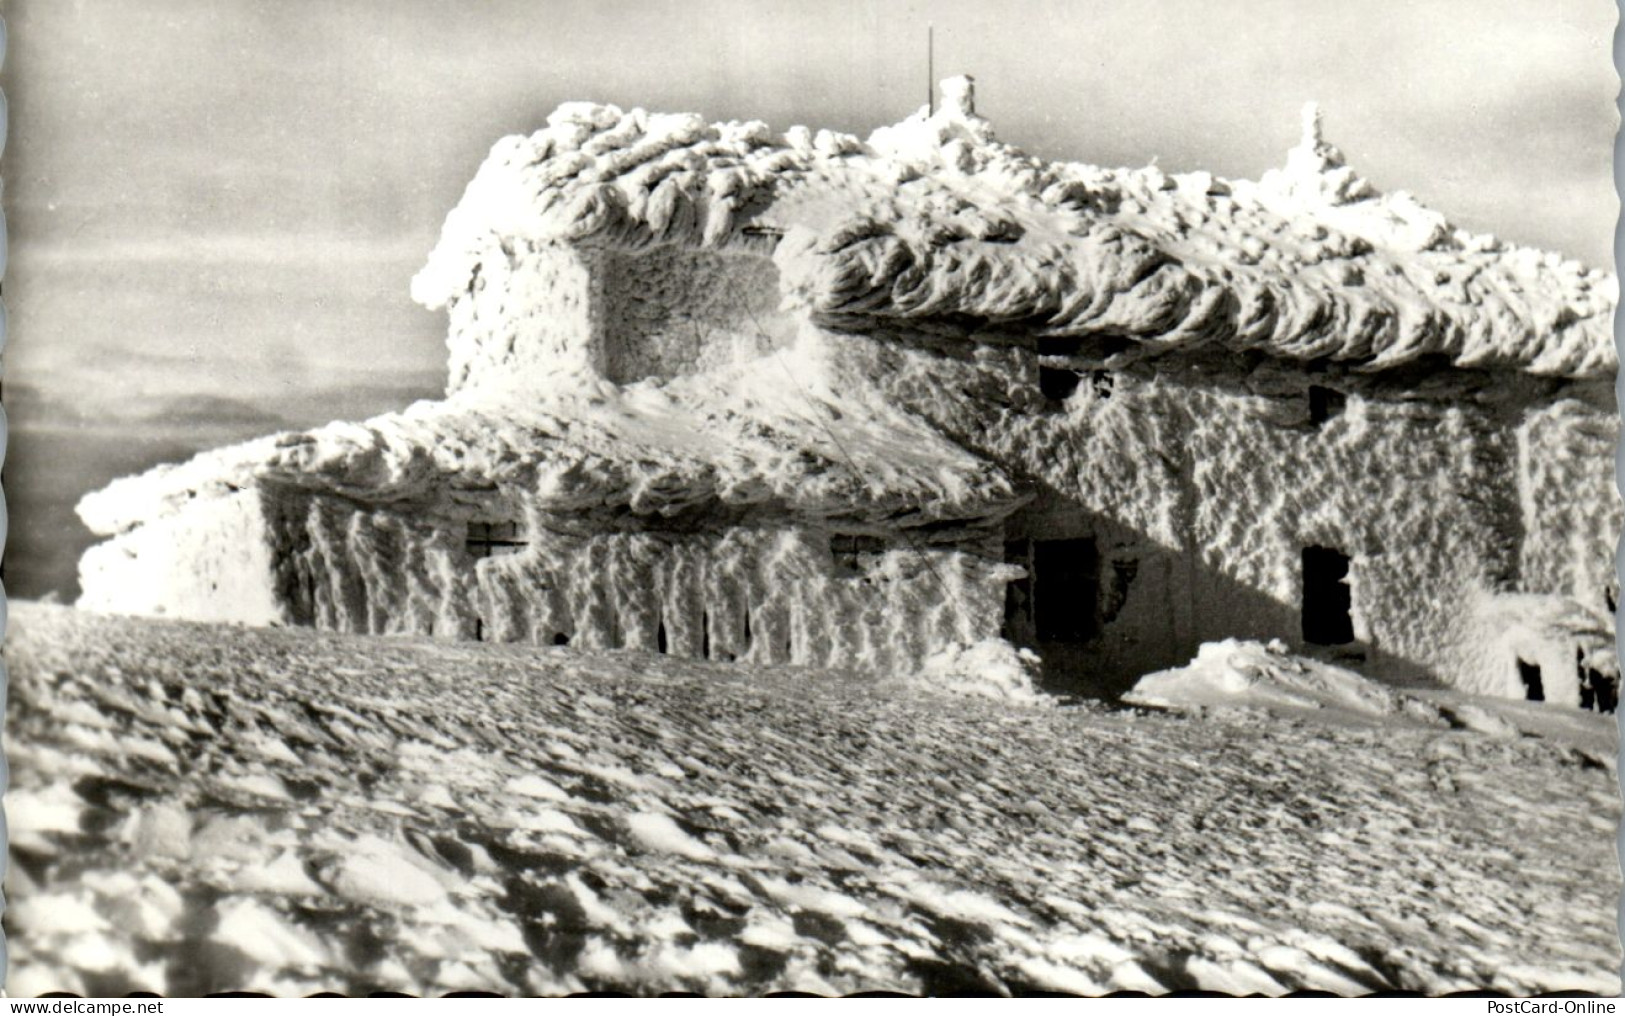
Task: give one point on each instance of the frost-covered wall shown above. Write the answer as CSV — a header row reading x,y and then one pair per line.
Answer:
x,y
213,562
671,311
353,568
764,592
529,313
1202,481
1566,476
771,594
537,315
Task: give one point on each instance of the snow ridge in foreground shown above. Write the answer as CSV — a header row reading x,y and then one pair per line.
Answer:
x,y
199,808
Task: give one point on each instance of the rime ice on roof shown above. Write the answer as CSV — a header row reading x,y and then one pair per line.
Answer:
x,y
1315,167
934,216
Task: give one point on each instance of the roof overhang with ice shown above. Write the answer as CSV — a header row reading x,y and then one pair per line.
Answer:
x,y
935,218
753,438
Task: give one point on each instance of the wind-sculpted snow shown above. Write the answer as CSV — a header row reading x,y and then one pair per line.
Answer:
x,y
1242,675
195,809
756,436
934,217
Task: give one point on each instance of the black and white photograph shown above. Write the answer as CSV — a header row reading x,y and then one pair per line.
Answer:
x,y
937,497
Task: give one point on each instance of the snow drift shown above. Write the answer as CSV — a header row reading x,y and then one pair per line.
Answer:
x,y
1243,674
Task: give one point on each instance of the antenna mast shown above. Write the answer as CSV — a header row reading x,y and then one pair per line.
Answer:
x,y
930,69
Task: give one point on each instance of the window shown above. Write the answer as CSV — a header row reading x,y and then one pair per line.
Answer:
x,y
853,553
1325,403
1058,383
494,539
1059,345
1327,601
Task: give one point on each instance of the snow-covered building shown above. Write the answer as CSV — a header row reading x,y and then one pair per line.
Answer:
x,y
725,393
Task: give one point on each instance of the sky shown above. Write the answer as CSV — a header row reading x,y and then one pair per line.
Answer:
x,y
216,206
233,208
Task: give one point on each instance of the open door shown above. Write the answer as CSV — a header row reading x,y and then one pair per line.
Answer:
x,y
1328,618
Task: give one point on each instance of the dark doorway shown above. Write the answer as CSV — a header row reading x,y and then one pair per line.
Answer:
x,y
1604,691
1529,673
1327,602
1058,383
1065,590
1325,403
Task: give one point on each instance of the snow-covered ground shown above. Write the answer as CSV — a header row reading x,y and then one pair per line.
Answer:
x,y
199,808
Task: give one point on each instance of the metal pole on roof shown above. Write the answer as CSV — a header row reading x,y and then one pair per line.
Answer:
x,y
930,69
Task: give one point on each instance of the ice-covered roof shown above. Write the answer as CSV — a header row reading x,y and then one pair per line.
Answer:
x,y
934,217
758,435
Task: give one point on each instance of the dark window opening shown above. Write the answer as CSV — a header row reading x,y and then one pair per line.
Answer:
x,y
1102,381
1328,604
705,635
1325,403
853,553
1057,383
495,539
1066,587
479,629
1529,673
1059,345
660,637
1611,595
1095,347
747,629
560,639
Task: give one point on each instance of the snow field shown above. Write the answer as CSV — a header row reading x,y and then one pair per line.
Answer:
x,y
199,808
